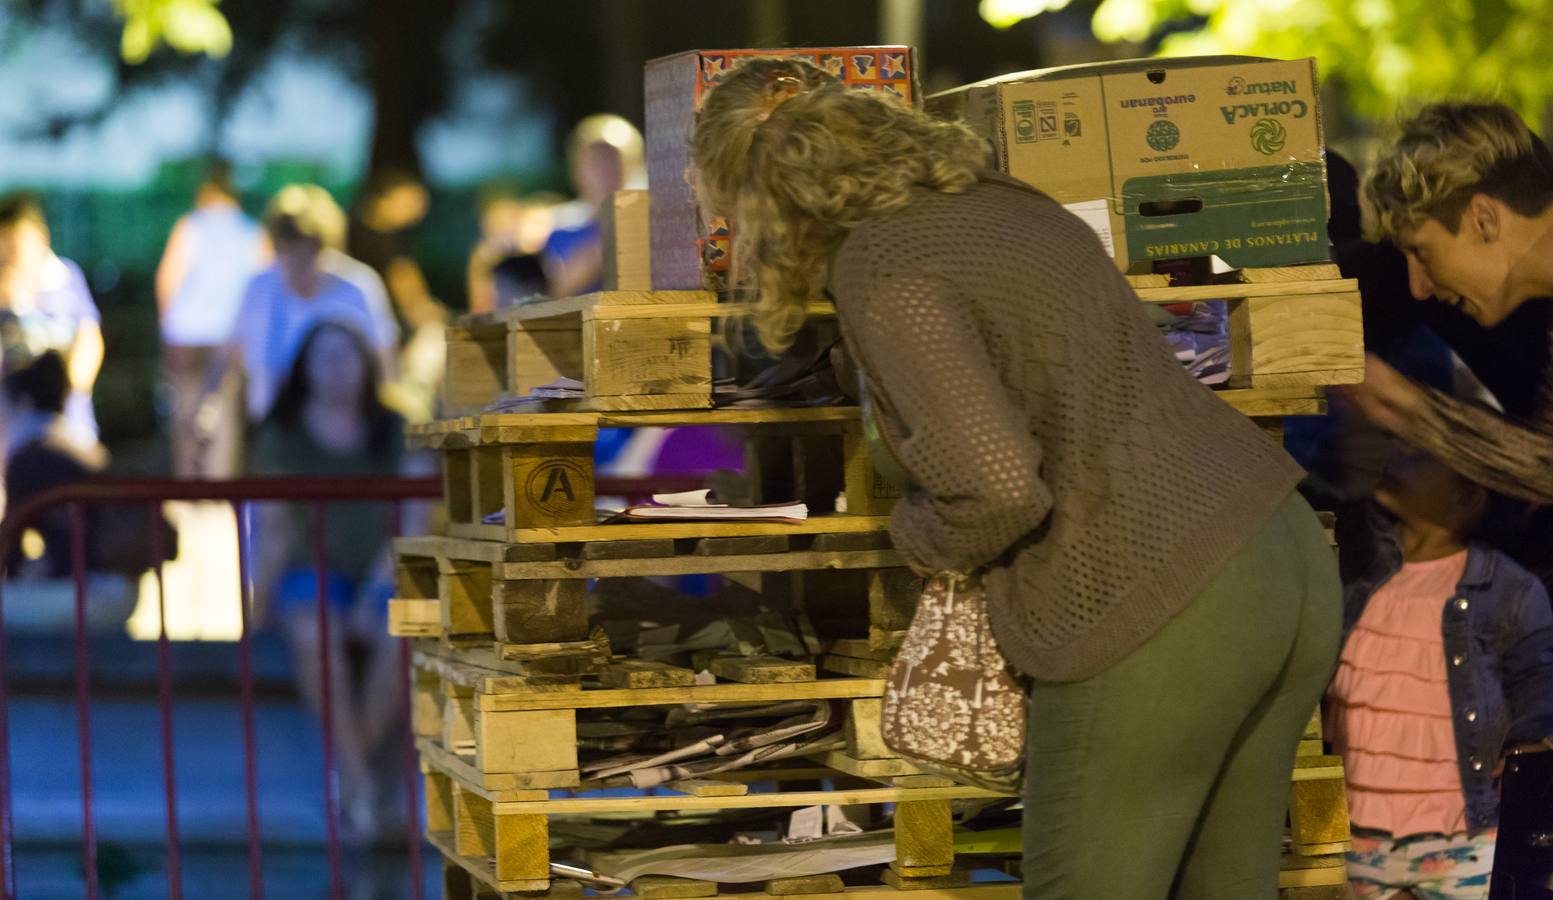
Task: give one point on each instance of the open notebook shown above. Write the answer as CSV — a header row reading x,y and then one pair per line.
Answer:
x,y
697,506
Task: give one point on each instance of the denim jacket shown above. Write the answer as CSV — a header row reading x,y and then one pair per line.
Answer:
x,y
1498,629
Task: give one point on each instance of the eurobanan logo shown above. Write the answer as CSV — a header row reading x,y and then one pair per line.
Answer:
x,y
1151,102
1299,109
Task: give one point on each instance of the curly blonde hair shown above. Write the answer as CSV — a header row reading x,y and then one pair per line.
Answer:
x,y
1447,153
796,159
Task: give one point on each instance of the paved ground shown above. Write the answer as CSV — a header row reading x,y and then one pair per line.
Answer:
x,y
127,783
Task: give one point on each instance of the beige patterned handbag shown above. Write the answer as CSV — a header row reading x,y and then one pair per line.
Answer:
x,y
952,704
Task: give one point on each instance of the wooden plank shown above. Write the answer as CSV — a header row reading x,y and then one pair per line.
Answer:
x,y
426,704
455,485
1148,281
476,371
482,679
462,549
479,532
863,648
705,787
918,872
641,673
857,668
650,548
668,887
518,845
866,768
550,485
542,352
924,838
676,530
689,400
1323,849
536,741
1279,274
486,425
647,356
762,670
464,590
458,716
876,540
826,689
414,617
869,492
623,233
534,664
789,799
828,882
1318,806
1320,892
863,733
954,882
892,598
483,871
497,785
522,848
439,801
1198,293
922,781
415,576
1258,402
650,301
487,479
1321,336
533,612
704,565
751,545
815,309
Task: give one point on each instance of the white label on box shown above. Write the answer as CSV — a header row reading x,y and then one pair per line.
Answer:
x,y
1097,215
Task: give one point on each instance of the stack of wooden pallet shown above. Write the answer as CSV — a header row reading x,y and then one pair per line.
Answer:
x,y
506,659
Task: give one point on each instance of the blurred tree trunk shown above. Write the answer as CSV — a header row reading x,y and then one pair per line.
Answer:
x,y
402,63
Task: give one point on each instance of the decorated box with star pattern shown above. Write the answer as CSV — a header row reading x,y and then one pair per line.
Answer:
x,y
687,253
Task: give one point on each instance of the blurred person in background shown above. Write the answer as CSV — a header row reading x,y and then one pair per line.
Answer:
x,y
211,254
285,300
604,154
46,305
508,263
40,454
381,237
329,421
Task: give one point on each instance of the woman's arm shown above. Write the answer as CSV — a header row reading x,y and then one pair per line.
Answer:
x,y
1480,443
951,424
86,356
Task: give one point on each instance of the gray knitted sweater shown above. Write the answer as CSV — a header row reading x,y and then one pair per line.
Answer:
x,y
1053,442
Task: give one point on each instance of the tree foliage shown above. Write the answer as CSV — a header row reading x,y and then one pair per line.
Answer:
x,y
1384,52
188,26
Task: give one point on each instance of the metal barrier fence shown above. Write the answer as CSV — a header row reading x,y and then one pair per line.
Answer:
x,y
151,494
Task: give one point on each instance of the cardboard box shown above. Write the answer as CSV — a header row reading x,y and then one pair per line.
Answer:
x,y
1168,158
687,253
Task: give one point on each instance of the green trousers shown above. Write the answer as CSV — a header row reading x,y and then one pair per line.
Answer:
x,y
1167,775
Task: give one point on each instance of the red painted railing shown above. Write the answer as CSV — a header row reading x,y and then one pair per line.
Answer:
x,y
151,494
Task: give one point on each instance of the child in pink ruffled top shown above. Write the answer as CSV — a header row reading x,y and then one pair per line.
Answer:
x,y
1448,661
